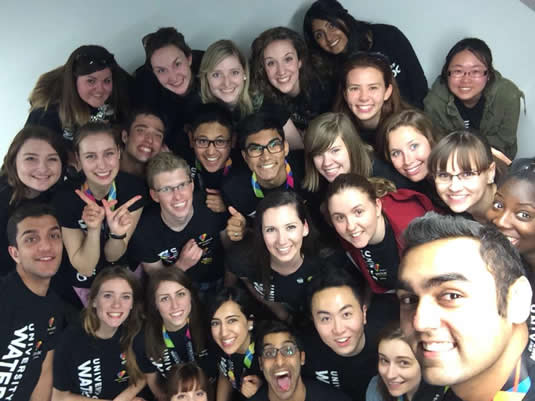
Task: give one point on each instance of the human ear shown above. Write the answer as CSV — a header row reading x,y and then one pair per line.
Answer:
x,y
519,301
388,93
14,253
491,173
124,136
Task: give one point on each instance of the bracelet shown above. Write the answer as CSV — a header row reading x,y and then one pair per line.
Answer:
x,y
116,236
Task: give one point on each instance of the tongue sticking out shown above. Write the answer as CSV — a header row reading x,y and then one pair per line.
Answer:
x,y
283,382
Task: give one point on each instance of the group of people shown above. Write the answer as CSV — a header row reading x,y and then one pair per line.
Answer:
x,y
310,224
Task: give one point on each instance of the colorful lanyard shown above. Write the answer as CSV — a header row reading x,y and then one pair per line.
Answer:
x,y
517,385
289,181
247,361
171,346
112,195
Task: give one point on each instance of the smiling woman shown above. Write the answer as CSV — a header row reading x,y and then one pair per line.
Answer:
x,y
91,86
32,167
103,343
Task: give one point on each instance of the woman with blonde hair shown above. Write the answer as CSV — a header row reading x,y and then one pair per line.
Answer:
x,y
96,359
224,77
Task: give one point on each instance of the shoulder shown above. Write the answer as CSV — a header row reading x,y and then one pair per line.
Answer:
x,y
385,29
503,89
414,200
372,392
316,390
439,92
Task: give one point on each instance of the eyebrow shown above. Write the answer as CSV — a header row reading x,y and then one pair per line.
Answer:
x,y
433,282
97,151
230,316
340,310
145,126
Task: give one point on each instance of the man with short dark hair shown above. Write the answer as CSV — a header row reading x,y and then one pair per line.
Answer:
x,y
143,139
464,303
271,166
281,356
341,344
31,314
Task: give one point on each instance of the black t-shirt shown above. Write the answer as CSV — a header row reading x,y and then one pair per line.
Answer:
x,y
30,328
315,391
350,374
177,111
382,259
302,108
238,191
290,289
69,207
90,366
471,115
204,179
153,240
182,350
237,365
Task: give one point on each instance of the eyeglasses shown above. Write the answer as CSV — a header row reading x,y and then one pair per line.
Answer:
x,y
205,143
443,177
289,349
169,189
87,60
256,150
476,74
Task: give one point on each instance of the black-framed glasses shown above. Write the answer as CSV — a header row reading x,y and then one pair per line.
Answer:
x,y
274,146
205,143
444,177
288,349
476,73
169,189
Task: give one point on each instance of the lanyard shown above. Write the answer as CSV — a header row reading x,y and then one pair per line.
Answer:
x,y
112,195
198,168
517,385
171,346
289,181
247,361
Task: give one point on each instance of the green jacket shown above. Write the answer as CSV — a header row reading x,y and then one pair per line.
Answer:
x,y
500,113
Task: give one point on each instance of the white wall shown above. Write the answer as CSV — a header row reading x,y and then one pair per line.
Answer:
x,y
36,36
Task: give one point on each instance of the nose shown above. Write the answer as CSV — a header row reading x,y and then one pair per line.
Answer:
x,y
351,223
337,326
282,237
391,372
279,359
101,162
426,316
278,69
226,81
407,158
223,329
326,159
148,137
328,35
363,94
502,219
116,302
455,183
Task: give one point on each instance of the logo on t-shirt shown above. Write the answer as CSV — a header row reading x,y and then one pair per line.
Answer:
x,y
377,272
51,329
204,241
328,377
169,256
14,361
90,378
121,377
396,69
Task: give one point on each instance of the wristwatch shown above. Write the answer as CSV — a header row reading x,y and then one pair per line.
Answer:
x,y
116,236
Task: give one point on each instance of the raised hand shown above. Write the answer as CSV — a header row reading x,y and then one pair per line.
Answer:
x,y
120,219
235,225
92,214
250,385
190,254
214,201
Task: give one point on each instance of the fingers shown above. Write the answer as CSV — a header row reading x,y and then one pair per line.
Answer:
x,y
212,191
215,203
125,205
84,197
232,211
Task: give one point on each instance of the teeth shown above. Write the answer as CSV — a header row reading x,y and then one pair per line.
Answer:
x,y
283,250
103,174
437,346
177,314
283,373
115,314
145,149
364,108
46,258
341,340
228,90
268,165
212,159
333,44
228,342
512,240
179,204
356,234
283,80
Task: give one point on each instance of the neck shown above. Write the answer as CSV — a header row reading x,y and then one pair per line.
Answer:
x,y
484,386
287,268
105,332
479,210
245,345
172,328
372,123
98,191
295,90
132,166
411,393
298,395
472,102
360,346
176,223
275,182
39,286
380,231
530,260
31,193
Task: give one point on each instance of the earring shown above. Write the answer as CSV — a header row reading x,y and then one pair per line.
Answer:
x,y
250,327
245,77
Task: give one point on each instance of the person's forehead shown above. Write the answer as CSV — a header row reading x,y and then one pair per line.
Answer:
x,y
40,223
452,257
169,177
212,128
263,137
150,120
277,339
342,294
